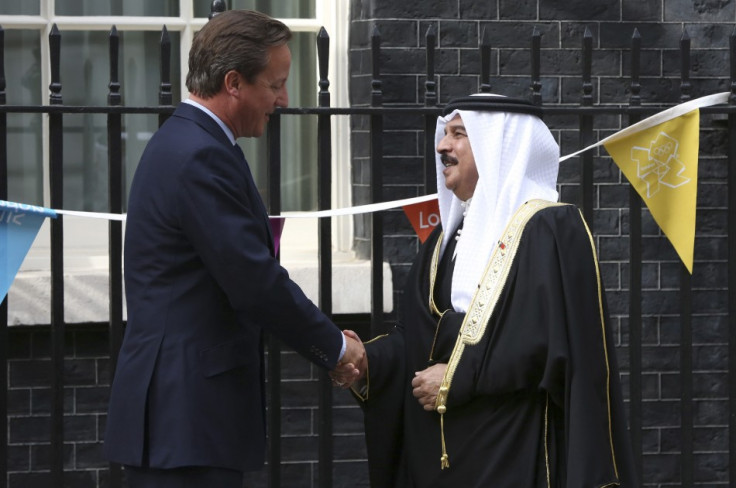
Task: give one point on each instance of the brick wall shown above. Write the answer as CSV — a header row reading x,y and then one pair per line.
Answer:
x,y
87,379
508,25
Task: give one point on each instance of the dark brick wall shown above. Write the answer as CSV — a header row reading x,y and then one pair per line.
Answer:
x,y
508,25
87,376
87,379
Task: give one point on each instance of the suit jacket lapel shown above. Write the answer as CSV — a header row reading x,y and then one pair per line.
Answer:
x,y
205,121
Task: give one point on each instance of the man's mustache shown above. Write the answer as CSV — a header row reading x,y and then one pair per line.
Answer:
x,y
448,160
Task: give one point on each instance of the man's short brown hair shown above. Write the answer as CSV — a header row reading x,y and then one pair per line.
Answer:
x,y
233,40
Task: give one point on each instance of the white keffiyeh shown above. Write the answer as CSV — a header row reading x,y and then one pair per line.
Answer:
x,y
517,160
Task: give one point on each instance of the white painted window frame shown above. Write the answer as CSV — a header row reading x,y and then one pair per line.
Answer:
x,y
333,15
85,258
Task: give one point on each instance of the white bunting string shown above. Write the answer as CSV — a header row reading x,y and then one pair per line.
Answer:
x,y
647,123
658,118
92,215
359,209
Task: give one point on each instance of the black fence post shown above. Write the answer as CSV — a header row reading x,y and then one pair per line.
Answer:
x,y
586,132
115,228
686,352
536,55
635,269
430,121
164,94
273,142
217,7
485,63
376,182
685,86
732,265
56,187
4,303
273,387
324,179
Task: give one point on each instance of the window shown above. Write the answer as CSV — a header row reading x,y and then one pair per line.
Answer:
x,y
85,26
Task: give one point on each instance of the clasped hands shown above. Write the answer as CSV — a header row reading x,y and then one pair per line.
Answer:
x,y
354,363
354,366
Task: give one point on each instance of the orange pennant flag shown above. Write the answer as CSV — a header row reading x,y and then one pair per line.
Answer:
x,y
424,217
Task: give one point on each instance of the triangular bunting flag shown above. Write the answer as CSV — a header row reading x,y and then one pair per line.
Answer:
x,y
659,156
424,217
19,225
661,162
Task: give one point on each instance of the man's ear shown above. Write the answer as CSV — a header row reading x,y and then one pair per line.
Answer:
x,y
232,82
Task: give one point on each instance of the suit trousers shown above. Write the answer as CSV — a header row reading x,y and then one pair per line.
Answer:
x,y
184,477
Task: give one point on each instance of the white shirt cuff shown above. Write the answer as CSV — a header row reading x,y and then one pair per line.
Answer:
x,y
344,346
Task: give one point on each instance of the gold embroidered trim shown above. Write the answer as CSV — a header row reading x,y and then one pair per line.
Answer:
x,y
433,276
485,299
362,391
605,345
436,332
546,439
432,280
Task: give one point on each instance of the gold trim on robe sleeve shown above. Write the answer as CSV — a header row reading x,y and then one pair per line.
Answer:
x,y
361,388
605,345
433,276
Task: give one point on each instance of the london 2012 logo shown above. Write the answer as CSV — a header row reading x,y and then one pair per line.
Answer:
x,y
659,164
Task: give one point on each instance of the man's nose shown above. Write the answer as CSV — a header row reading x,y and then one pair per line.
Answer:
x,y
443,146
282,100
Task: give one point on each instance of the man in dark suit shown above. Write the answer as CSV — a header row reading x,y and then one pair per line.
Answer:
x,y
187,405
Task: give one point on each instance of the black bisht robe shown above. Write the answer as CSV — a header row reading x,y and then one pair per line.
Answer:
x,y
536,403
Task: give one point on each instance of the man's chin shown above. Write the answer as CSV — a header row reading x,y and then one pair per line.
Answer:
x,y
255,133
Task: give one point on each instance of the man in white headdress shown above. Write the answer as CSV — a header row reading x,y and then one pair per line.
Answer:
x,y
501,371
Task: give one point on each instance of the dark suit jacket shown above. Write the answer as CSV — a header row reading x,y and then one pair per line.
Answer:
x,y
202,284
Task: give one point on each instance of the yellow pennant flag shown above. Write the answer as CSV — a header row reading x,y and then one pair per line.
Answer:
x,y
659,156
661,163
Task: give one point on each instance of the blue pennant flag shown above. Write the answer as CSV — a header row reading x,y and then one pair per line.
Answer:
x,y
19,225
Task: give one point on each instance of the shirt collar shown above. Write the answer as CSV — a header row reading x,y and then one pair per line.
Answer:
x,y
209,112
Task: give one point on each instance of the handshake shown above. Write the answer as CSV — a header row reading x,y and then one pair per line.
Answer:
x,y
425,384
354,364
